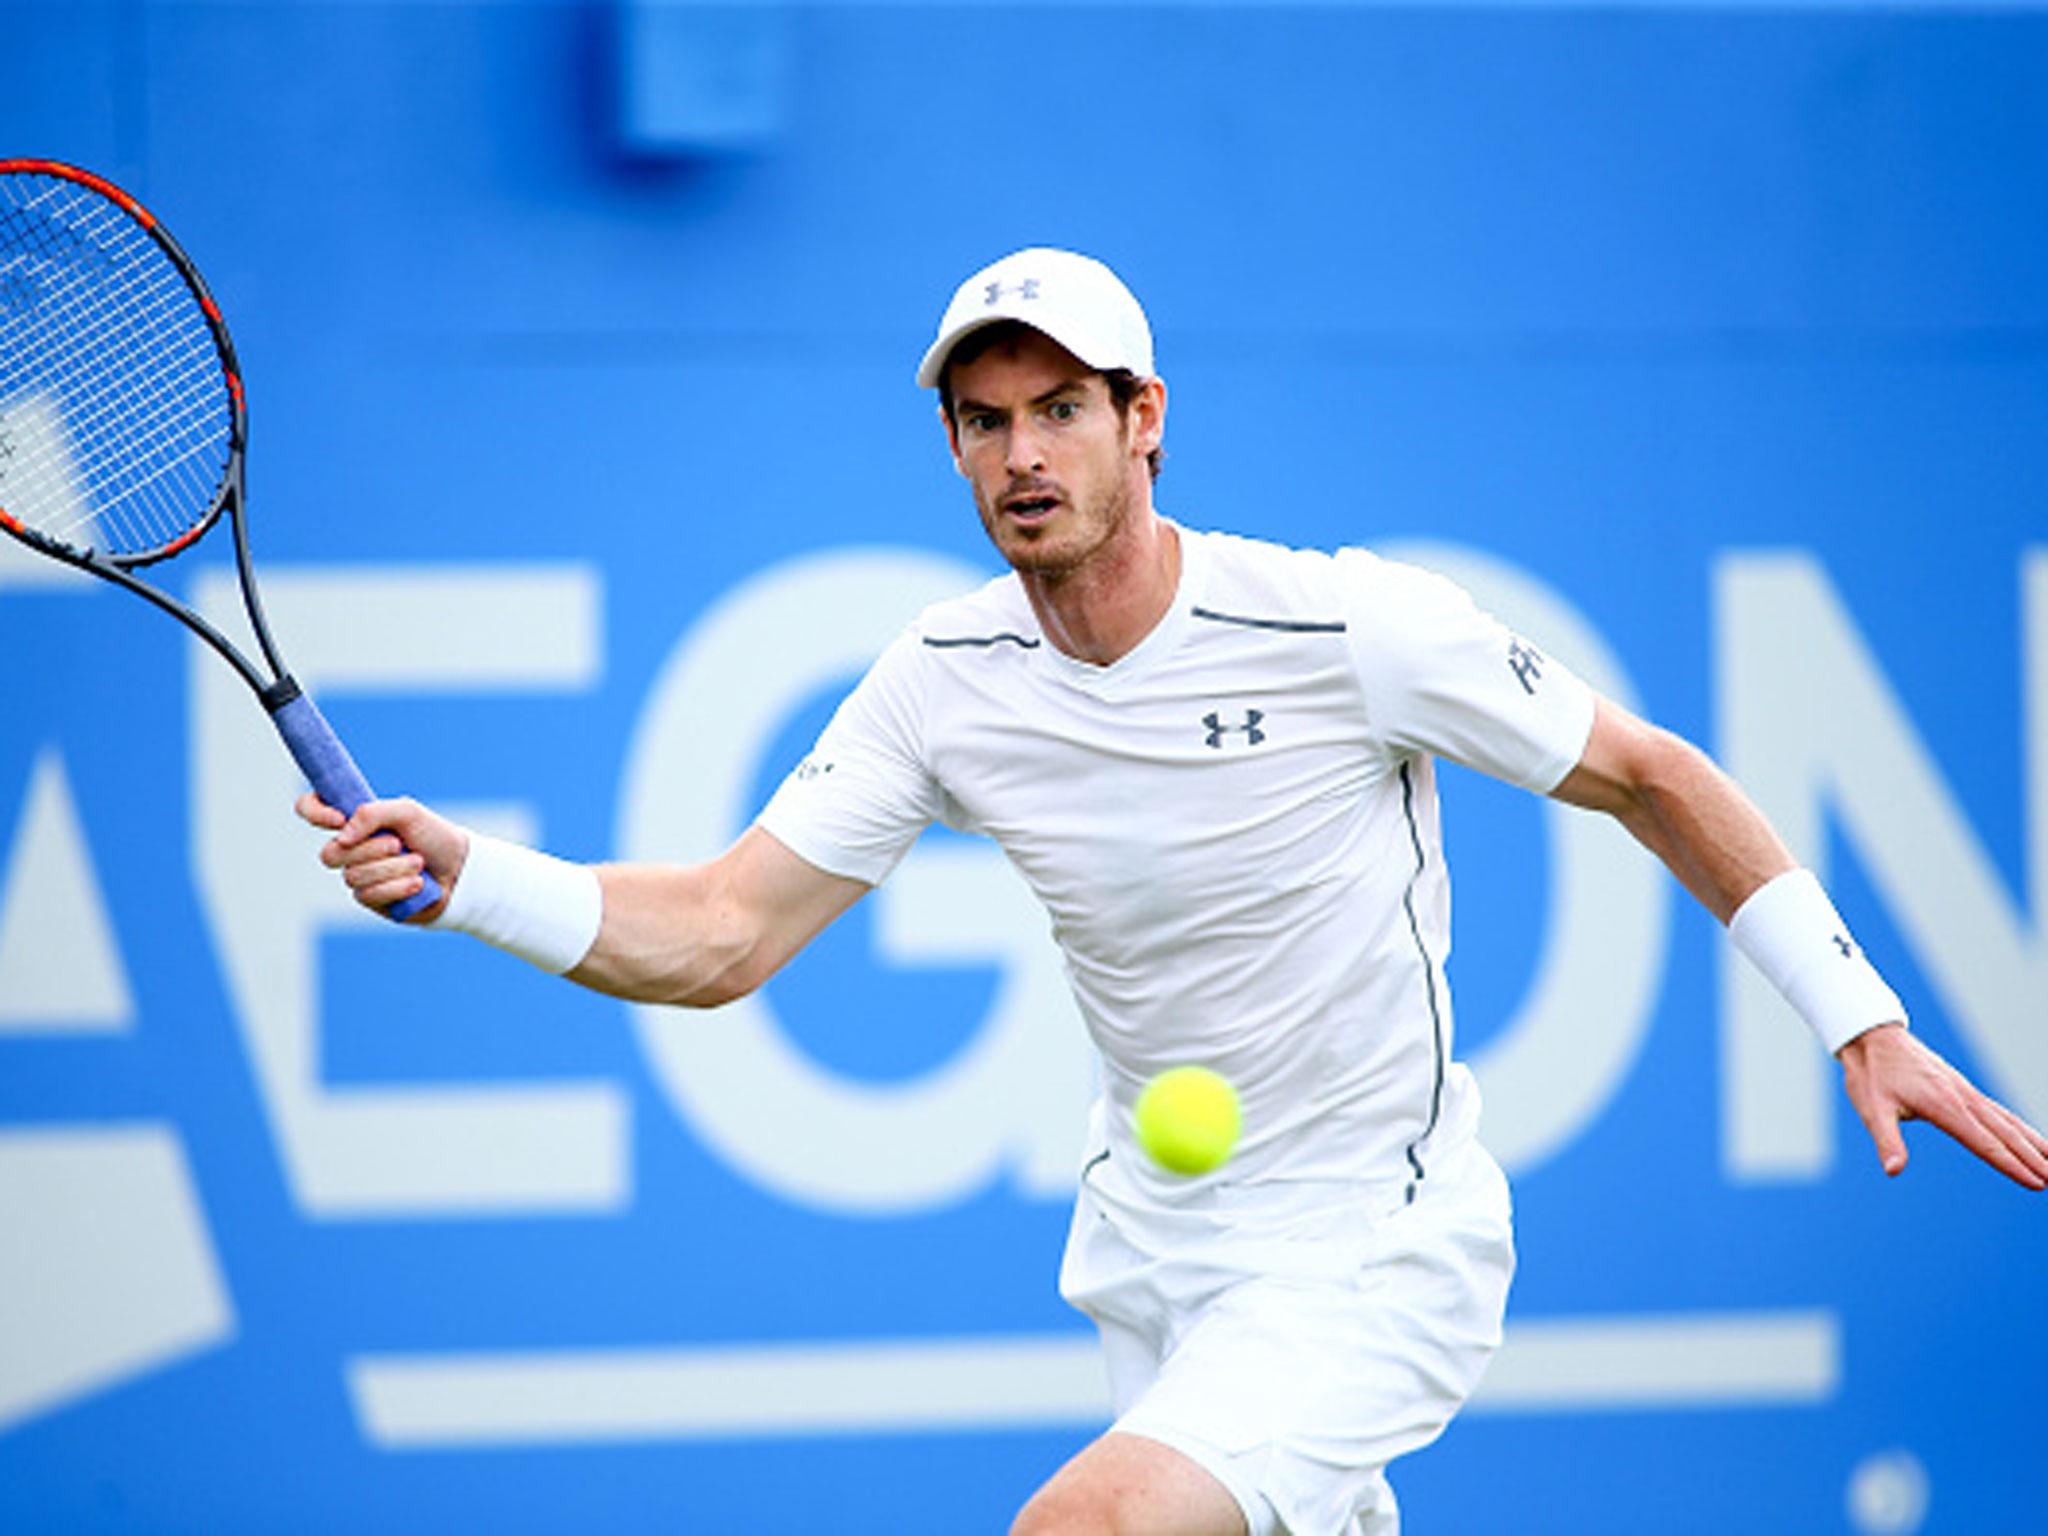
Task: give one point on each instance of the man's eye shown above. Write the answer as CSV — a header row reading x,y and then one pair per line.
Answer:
x,y
983,421
1064,410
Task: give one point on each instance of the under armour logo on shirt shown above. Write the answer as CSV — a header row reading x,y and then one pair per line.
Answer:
x,y
1218,730
1028,289
1526,662
1842,943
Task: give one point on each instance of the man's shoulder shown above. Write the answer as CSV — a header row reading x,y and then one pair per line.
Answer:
x,y
993,616
1351,578
1260,579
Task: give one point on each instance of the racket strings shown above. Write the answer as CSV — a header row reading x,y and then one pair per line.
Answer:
x,y
174,426
116,427
108,442
109,438
101,443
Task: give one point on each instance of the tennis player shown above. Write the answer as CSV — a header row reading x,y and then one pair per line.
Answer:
x,y
1213,760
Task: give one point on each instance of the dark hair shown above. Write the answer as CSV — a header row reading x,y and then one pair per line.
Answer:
x,y
1122,383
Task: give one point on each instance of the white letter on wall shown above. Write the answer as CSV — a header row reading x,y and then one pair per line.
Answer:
x,y
447,1150
1016,1093
1810,726
1558,1061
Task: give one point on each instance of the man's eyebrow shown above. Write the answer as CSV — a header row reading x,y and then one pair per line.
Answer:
x,y
965,404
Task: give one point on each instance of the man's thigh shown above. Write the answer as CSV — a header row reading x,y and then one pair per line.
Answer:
x,y
1295,1394
1125,1485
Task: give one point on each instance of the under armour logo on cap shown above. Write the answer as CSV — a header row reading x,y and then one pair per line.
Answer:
x,y
1073,299
1218,730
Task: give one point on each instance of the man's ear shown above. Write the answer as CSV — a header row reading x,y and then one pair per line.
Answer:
x,y
1148,416
952,440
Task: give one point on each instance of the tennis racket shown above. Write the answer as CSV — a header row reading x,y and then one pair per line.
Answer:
x,y
123,426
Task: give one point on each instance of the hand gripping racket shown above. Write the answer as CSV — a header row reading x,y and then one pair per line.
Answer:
x,y
122,424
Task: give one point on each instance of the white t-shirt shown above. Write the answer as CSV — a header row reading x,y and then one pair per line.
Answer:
x,y
1233,827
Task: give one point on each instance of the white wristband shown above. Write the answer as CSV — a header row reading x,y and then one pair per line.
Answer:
x,y
1792,933
543,909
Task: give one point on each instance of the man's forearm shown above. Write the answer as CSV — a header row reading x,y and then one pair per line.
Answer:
x,y
1696,819
669,935
1679,805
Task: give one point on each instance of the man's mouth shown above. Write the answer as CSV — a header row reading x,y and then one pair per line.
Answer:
x,y
1030,508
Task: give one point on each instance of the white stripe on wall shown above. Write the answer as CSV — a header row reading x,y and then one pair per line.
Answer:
x,y
428,1401
1704,1360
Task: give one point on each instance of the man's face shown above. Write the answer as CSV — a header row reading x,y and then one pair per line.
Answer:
x,y
1057,470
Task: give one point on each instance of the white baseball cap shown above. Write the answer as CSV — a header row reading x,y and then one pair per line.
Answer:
x,y
1074,299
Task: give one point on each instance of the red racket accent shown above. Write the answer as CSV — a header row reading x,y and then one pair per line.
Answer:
x,y
99,184
122,424
121,409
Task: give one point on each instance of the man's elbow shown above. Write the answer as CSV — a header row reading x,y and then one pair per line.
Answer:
x,y
1631,769
716,992
703,975
738,970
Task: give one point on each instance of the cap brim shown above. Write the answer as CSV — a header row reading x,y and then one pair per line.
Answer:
x,y
934,364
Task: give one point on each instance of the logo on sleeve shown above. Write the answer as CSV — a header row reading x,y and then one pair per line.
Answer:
x,y
1218,730
1526,662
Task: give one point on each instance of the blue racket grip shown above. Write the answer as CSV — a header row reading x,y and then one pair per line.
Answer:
x,y
337,780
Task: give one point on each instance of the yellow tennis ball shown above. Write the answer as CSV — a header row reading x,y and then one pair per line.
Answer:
x,y
1188,1119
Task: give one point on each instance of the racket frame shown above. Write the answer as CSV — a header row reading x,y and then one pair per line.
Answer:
x,y
306,734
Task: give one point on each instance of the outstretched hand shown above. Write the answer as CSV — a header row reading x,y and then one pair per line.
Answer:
x,y
1891,1076
382,849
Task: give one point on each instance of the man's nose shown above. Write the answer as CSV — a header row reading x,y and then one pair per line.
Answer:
x,y
1026,453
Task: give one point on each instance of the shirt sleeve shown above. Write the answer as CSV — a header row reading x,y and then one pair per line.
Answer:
x,y
855,805
1441,675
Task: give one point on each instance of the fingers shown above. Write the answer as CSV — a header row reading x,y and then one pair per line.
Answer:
x,y
343,852
1868,1071
370,817
379,882
1986,1140
1988,1129
2029,1143
1921,1086
378,870
2021,1152
1882,1121
312,808
372,848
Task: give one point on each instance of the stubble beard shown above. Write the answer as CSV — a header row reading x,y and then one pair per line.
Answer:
x,y
1053,555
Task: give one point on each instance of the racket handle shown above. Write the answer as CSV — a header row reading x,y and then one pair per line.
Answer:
x,y
336,779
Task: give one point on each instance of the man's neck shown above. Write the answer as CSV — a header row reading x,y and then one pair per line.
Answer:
x,y
1101,610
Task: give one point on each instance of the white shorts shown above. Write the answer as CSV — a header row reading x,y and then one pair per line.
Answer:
x,y
1294,1356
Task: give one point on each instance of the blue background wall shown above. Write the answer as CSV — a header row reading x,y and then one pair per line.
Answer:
x,y
1723,331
